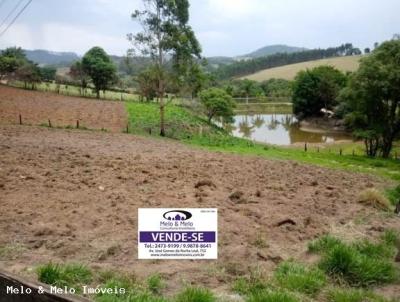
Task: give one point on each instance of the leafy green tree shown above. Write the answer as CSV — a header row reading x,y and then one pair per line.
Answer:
x,y
373,98
99,67
367,50
315,89
10,60
166,34
48,73
217,103
248,88
78,74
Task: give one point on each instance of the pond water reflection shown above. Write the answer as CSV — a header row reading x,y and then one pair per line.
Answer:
x,y
278,129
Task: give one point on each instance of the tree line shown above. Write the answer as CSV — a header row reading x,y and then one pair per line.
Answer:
x,y
245,67
15,66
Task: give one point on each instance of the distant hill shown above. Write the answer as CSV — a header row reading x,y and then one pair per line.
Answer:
x,y
45,57
288,72
271,50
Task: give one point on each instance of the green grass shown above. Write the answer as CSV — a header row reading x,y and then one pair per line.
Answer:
x,y
70,275
388,168
144,118
393,195
155,283
195,294
297,277
361,263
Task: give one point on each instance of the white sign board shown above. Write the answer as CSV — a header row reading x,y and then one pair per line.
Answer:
x,y
178,233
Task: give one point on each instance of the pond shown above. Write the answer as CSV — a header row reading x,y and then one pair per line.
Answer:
x,y
278,129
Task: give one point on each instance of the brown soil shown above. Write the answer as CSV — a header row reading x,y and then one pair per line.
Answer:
x,y
37,108
72,195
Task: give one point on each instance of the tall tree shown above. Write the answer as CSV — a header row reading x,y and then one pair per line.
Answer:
x,y
100,68
374,97
166,34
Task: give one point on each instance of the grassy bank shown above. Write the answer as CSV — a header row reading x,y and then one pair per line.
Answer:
x,y
184,125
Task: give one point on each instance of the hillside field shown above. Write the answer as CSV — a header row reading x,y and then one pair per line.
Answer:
x,y
288,72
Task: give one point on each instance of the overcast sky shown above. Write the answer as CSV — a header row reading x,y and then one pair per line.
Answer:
x,y
223,27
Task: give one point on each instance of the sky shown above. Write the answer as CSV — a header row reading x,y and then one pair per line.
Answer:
x,y
223,27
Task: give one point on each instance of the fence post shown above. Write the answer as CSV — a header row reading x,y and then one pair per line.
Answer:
x,y
49,123
353,152
77,124
127,128
305,147
340,152
20,119
318,149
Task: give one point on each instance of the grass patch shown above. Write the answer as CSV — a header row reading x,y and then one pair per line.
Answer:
x,y
323,244
180,123
360,264
353,295
155,283
297,277
70,275
195,294
272,296
374,198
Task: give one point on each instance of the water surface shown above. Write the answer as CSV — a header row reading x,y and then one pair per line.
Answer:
x,y
278,129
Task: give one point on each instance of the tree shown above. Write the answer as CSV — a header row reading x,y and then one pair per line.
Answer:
x,y
77,73
10,60
217,103
147,81
99,67
166,34
367,50
316,89
48,73
28,73
373,98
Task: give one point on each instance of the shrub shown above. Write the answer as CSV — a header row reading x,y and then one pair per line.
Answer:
x,y
374,198
246,286
272,296
297,277
195,294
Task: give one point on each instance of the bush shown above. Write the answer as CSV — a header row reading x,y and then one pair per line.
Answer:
x,y
297,277
195,294
393,195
